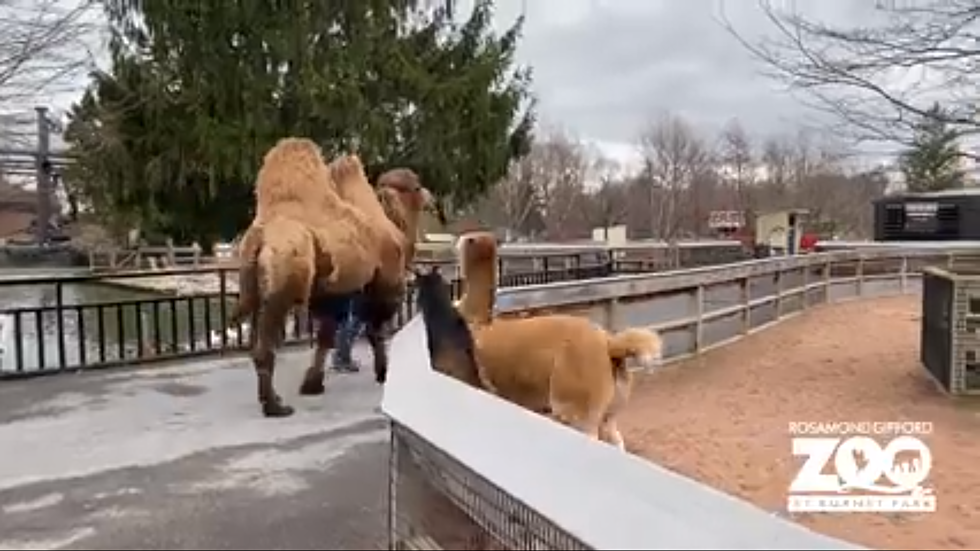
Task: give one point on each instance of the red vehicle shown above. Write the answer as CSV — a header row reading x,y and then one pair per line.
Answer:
x,y
808,243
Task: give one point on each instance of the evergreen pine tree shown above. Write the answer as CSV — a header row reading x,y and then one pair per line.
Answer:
x,y
933,161
171,136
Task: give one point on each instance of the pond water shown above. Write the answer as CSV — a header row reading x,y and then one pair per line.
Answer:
x,y
93,333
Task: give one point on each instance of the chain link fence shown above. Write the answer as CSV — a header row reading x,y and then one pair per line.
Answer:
x,y
438,503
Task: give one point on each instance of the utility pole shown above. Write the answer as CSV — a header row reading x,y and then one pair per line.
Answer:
x,y
43,170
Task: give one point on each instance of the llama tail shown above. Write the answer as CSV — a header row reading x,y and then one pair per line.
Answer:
x,y
641,345
248,275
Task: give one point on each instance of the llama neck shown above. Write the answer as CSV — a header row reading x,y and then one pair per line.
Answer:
x,y
479,294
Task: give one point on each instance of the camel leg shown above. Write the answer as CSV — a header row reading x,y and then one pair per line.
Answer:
x,y
377,308
267,335
313,380
376,337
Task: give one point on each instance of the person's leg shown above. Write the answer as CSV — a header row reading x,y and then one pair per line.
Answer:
x,y
346,335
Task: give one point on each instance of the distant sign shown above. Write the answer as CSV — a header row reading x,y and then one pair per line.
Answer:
x,y
719,219
921,209
922,217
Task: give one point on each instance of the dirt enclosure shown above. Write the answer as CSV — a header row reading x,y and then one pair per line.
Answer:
x,y
723,418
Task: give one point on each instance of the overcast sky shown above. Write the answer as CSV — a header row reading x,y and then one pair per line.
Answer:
x,y
604,67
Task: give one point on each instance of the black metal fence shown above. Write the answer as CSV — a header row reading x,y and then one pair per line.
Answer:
x,y
66,334
936,344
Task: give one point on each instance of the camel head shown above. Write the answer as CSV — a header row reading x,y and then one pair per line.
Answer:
x,y
406,184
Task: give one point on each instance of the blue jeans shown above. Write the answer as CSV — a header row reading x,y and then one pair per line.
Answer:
x,y
347,333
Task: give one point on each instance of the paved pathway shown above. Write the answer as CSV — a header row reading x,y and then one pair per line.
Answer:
x,y
179,458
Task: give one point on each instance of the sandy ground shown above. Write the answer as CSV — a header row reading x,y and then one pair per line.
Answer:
x,y
722,418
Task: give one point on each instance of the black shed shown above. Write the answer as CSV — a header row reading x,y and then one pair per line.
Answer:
x,y
951,215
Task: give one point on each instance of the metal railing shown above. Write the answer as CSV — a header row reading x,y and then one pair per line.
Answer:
x,y
145,257
70,331
162,321
458,443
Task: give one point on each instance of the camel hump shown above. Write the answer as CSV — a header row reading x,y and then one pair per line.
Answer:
x,y
345,167
293,171
290,149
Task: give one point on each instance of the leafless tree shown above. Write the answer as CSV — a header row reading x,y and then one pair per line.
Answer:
x,y
543,191
738,164
673,157
564,188
777,160
607,205
44,45
880,77
559,166
808,170
840,203
815,177
856,215
513,203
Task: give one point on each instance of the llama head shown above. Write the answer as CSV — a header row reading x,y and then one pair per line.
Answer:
x,y
431,290
477,253
646,346
476,248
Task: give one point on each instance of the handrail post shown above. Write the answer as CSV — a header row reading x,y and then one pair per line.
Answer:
x,y
778,282
903,275
699,318
827,271
612,315
806,283
59,301
860,276
223,308
745,298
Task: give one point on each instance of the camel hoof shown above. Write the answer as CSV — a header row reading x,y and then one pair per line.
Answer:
x,y
312,387
276,409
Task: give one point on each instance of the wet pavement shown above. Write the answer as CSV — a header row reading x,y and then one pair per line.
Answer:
x,y
180,458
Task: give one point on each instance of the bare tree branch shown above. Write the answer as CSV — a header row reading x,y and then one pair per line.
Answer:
x,y
44,45
608,205
544,192
559,166
674,160
738,164
513,203
879,80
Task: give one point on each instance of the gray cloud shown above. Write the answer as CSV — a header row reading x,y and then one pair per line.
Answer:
x,y
604,67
